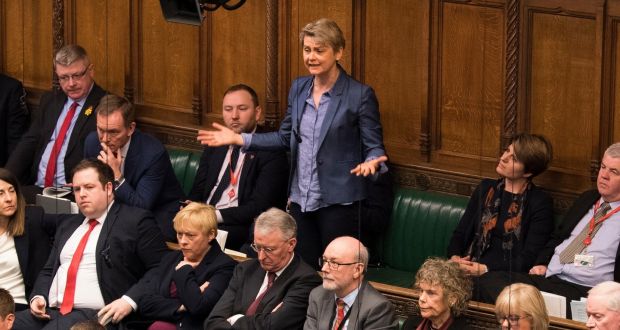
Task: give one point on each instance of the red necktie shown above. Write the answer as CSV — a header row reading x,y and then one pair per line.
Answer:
x,y
252,309
67,300
340,314
51,163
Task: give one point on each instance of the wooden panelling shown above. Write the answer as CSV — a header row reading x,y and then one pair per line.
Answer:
x,y
27,41
102,28
167,64
467,121
396,65
238,53
454,78
563,89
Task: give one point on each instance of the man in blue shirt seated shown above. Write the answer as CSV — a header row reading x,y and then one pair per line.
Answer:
x,y
143,174
583,250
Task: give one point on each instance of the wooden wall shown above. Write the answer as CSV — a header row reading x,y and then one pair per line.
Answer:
x,y
454,78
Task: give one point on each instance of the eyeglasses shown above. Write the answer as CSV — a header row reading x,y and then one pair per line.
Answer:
x,y
76,76
265,249
334,265
513,319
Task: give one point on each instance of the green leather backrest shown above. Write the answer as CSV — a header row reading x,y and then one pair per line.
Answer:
x,y
421,226
185,164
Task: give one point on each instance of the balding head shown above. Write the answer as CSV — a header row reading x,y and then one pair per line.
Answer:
x,y
344,261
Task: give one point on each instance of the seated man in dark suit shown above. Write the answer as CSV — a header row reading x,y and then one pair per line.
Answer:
x,y
54,144
143,175
110,245
346,300
240,184
583,250
270,292
14,115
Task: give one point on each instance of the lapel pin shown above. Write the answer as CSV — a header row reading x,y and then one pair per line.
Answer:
x,y
88,111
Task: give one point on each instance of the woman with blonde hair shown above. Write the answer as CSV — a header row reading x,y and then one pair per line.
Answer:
x,y
189,282
521,306
444,291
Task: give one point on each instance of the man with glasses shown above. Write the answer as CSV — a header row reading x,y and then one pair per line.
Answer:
x,y
346,300
271,291
54,144
603,306
143,174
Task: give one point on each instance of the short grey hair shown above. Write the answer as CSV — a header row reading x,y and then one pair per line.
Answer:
x,y
613,150
68,54
275,218
326,31
610,290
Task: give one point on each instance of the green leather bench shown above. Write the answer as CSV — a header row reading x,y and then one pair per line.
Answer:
x,y
185,164
421,226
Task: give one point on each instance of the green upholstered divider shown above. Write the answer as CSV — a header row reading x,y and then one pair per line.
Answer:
x,y
185,164
421,226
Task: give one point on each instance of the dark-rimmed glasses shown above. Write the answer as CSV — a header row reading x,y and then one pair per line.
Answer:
x,y
334,265
76,76
513,319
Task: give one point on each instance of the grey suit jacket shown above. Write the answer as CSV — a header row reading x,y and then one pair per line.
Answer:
x,y
371,310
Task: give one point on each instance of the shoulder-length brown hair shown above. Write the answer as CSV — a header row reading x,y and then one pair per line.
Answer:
x,y
17,222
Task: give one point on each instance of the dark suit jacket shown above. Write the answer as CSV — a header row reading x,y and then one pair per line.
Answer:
x,y
216,268
150,182
262,185
130,244
536,227
578,210
25,159
14,116
32,247
351,132
370,310
291,288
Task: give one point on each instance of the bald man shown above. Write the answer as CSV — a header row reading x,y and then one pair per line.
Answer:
x,y
346,300
603,306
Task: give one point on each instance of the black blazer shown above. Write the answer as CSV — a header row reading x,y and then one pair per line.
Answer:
x,y
150,182
130,244
292,289
25,159
263,183
14,116
578,210
536,227
216,268
33,247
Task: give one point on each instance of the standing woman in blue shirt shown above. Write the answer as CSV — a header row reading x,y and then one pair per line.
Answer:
x,y
334,134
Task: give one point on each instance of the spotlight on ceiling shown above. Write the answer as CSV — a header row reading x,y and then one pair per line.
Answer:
x,y
192,11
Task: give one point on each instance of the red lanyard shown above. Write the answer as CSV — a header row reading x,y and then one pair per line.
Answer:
x,y
234,176
588,240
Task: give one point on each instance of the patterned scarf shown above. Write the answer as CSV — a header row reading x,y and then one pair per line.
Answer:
x,y
490,212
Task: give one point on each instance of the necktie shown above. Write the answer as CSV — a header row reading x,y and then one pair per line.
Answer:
x,y
225,181
69,295
576,246
51,163
252,309
339,313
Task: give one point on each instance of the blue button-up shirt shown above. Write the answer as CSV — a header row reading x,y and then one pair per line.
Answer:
x,y
60,176
305,187
603,249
